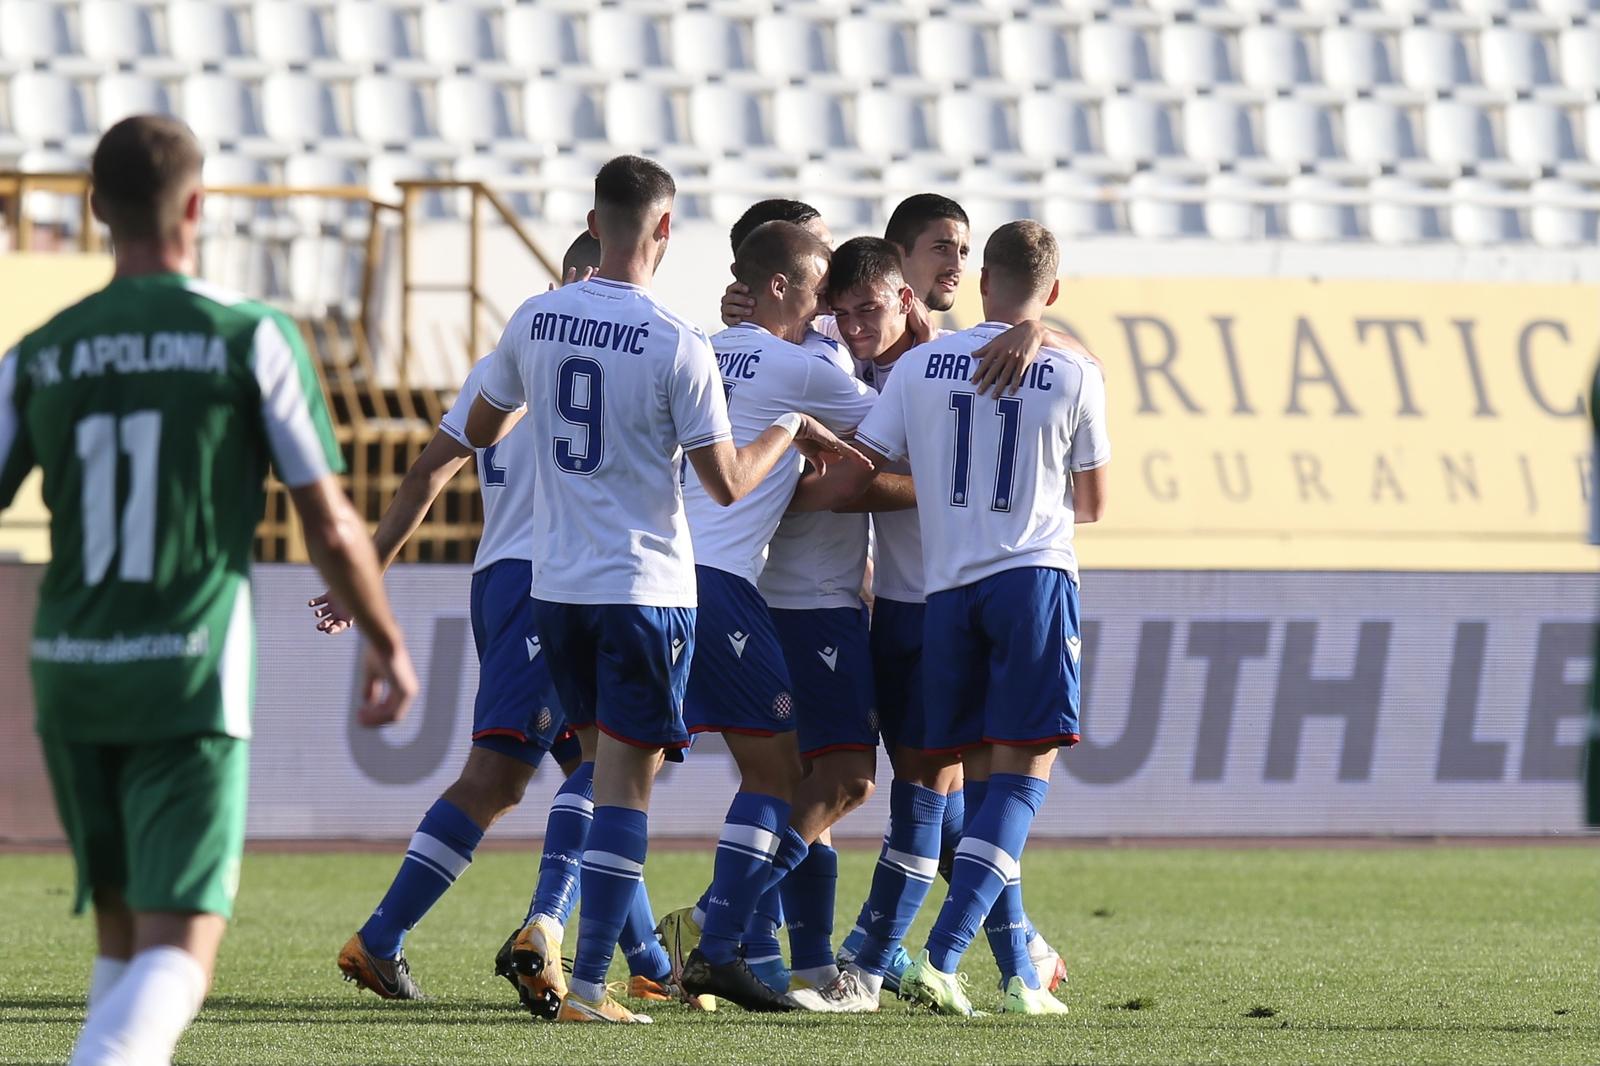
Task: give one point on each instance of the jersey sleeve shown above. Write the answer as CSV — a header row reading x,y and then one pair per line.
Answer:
x,y
884,429
1091,444
828,326
454,422
16,456
695,397
293,409
501,385
836,399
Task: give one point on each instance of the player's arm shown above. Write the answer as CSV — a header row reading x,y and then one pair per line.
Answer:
x,y
729,474
848,490
1089,495
16,456
1003,361
428,476
1090,451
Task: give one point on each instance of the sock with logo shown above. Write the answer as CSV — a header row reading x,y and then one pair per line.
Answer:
x,y
808,900
612,874
987,858
749,841
643,952
905,871
1006,908
440,851
761,938
566,834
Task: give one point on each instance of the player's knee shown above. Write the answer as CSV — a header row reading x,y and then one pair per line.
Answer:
x,y
854,791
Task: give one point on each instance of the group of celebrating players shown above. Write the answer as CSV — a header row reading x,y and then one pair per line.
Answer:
x,y
667,603
676,535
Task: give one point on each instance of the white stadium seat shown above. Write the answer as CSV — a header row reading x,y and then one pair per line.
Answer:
x,y
898,122
1154,213
1193,56
1233,212
1136,129
1580,57
1054,128
1217,130
1273,57
289,32
1556,225
476,115
1111,55
121,95
1354,59
1077,205
1539,135
34,31
810,121
320,171
1034,53
391,114
458,36
1312,217
562,112
116,31
995,196
1458,134
1513,59
572,192
224,110
624,41
223,169
1433,59
1393,219
842,210
875,49
542,38
641,116
953,50
1591,131
1492,9
1377,134
706,43
373,34
1297,132
974,125
726,119
202,33
789,47
49,109
738,182
1478,224
301,110
1567,10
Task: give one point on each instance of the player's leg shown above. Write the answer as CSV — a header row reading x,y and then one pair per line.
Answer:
x,y
113,928
182,804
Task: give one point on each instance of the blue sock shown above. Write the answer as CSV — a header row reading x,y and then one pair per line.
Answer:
x,y
750,837
808,899
761,935
1006,926
440,851
646,957
858,932
975,793
905,871
566,833
987,858
955,820
612,874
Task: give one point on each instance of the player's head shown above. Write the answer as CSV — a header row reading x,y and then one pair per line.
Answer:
x,y
633,205
869,296
1019,271
778,210
786,269
934,238
582,254
146,172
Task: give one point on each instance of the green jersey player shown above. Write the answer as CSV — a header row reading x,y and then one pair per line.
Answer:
x,y
153,408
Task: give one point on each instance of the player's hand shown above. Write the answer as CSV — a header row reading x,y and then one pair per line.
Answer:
x,y
737,303
1003,361
571,276
388,685
331,618
822,447
919,322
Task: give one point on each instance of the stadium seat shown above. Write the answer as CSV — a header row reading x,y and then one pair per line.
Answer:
x,y
727,120
789,47
1312,217
562,112
898,122
1297,132
206,36
1459,134
624,41
1233,212
48,110
1053,127
1273,57
34,31
844,212
301,111
224,169
542,38
1580,57
1193,56
1492,9
1034,53
476,115
735,183
121,95
1556,225
641,116
993,196
708,44
496,172
223,111
975,125
1217,130
1154,213
1513,59
290,33
1539,135
391,115
1112,55
875,50
1136,129
1354,59
1433,59
1393,220
951,50
1077,205
462,38
1569,10
375,36
1591,131
383,171
1377,134
119,33
320,171
1478,224
47,207
810,122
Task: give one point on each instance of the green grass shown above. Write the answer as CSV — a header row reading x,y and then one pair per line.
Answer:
x,y
1429,954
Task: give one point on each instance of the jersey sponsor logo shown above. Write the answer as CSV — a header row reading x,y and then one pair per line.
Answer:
x,y
534,648
677,649
1074,647
738,640
829,656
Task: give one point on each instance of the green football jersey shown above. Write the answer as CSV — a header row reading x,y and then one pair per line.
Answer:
x,y
153,408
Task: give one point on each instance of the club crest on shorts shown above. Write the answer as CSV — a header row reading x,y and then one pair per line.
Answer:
x,y
783,707
545,720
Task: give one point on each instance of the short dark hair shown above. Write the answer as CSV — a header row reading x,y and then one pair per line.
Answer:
x,y
628,186
917,213
775,248
862,262
775,210
143,169
1023,257
582,253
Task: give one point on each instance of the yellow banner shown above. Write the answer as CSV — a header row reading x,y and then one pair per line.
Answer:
x,y
33,287
1287,423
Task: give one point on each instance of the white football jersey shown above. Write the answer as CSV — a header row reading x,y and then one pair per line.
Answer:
x,y
621,387
817,558
766,378
505,478
994,486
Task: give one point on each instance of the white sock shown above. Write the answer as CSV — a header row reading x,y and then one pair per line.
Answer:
x,y
140,1021
872,982
818,976
105,973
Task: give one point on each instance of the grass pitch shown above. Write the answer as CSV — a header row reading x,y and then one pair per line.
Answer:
x,y
1427,954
